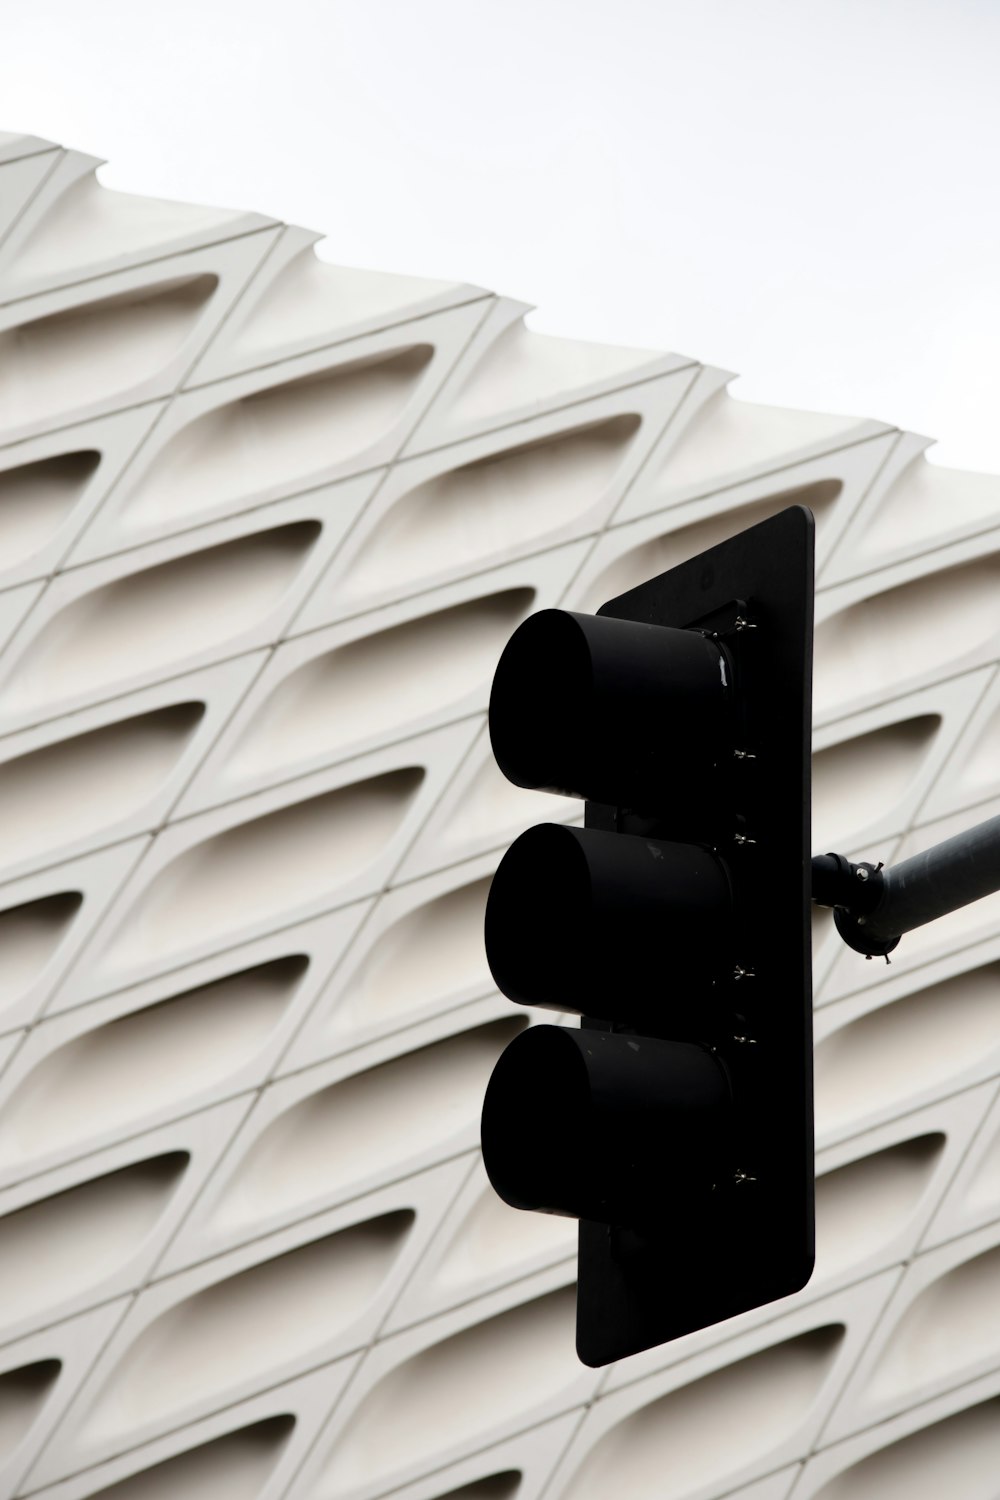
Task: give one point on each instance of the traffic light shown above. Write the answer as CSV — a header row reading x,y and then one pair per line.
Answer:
x,y
676,1122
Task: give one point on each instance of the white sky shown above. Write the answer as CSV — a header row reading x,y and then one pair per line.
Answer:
x,y
805,191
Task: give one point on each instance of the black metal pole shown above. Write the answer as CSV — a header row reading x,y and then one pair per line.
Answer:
x,y
938,880
875,906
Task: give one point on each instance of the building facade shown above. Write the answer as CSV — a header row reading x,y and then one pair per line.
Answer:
x,y
266,524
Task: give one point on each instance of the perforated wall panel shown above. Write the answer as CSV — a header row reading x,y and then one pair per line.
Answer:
x,y
264,527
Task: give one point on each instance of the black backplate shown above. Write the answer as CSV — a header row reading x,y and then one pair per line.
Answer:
x,y
751,1240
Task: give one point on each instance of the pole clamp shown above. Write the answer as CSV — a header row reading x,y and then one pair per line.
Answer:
x,y
854,891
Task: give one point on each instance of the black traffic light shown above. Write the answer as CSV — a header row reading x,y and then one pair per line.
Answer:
x,y
676,1122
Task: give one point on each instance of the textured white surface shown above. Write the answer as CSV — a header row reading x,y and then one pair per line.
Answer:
x,y
266,524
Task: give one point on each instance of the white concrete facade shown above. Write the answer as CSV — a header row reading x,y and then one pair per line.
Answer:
x,y
264,527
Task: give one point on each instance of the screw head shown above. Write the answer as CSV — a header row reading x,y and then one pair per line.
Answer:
x,y
862,874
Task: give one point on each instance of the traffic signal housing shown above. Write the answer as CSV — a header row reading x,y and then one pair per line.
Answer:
x,y
676,1121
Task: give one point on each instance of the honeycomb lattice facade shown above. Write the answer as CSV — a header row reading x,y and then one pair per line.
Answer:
x,y
265,526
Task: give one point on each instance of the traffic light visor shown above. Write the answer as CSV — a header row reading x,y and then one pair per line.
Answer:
x,y
567,903
615,711
585,1123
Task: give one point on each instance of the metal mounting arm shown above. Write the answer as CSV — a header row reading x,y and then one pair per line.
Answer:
x,y
874,906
